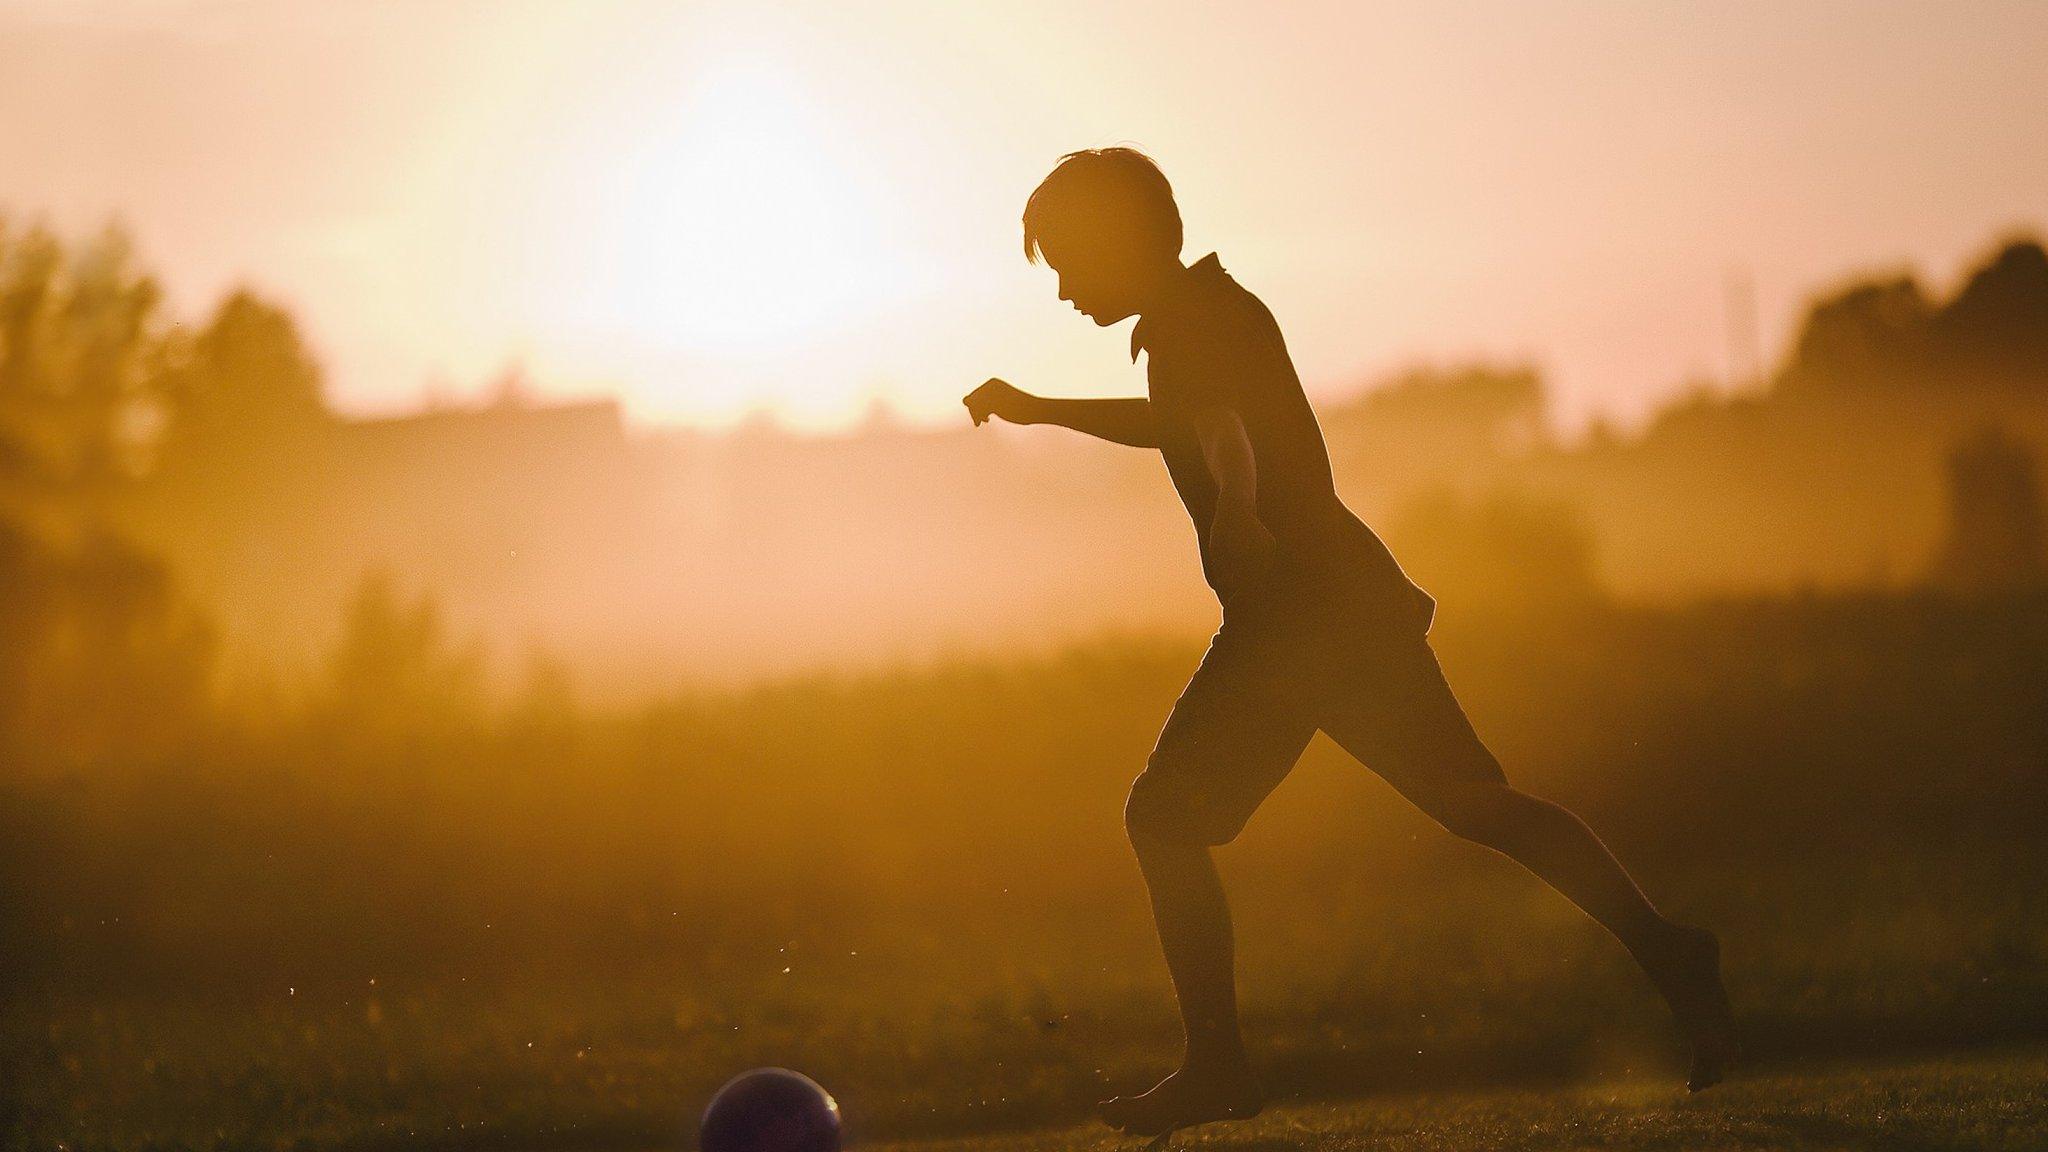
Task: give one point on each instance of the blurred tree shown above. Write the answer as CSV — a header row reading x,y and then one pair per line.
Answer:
x,y
24,615
545,718
1871,335
18,467
100,655
80,358
28,271
245,384
1477,407
395,667
1431,426
1885,335
1997,536
1995,332
1502,553
101,658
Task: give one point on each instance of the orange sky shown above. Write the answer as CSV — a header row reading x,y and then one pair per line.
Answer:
x,y
715,208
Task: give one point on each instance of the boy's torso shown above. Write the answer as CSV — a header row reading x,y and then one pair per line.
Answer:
x,y
1211,342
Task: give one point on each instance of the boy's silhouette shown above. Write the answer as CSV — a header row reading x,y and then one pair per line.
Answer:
x,y
1321,630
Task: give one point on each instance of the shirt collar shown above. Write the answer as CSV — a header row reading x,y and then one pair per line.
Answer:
x,y
1206,268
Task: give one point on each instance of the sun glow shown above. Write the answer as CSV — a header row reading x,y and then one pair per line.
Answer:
x,y
745,225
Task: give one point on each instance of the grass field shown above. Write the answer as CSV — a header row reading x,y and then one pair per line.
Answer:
x,y
1477,982
1979,1101
559,931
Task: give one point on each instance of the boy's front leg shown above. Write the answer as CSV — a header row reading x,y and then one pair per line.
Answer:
x,y
1215,1080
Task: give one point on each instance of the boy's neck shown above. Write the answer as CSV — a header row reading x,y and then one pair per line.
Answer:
x,y
1161,280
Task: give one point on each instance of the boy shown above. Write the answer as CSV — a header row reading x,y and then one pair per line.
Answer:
x,y
1321,630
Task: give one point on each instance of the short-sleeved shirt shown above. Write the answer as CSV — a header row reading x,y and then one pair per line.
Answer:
x,y
1211,343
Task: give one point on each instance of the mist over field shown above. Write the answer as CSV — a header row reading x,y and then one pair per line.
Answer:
x,y
576,764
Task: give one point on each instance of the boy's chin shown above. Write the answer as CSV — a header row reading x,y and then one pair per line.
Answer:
x,y
1107,318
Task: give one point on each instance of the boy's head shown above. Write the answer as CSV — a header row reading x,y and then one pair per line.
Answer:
x,y
1105,220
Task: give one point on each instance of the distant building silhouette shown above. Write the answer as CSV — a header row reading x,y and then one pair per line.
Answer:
x,y
1995,538
499,435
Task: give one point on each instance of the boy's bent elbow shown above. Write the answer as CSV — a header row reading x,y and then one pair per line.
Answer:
x,y
1227,449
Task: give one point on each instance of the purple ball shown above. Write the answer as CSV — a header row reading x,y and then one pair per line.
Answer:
x,y
770,1110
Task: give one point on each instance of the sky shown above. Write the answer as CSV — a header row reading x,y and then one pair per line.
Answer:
x,y
719,210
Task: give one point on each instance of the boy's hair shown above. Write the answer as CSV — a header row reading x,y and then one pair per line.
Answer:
x,y
1103,192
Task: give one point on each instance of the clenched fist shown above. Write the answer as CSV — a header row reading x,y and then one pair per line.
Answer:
x,y
998,398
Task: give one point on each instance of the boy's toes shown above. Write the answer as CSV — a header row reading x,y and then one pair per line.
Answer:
x,y
1123,1113
1711,1063
1136,1115
1183,1100
1705,1074
1691,982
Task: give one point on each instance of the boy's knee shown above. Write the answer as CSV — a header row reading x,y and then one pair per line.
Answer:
x,y
1148,812
1488,814
1157,812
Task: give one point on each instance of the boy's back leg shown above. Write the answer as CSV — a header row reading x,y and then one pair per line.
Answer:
x,y
1407,726
1684,962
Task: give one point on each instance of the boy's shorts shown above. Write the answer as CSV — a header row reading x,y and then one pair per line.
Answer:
x,y
1268,682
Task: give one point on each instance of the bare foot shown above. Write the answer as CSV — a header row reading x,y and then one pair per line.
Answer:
x,y
1197,1094
1689,976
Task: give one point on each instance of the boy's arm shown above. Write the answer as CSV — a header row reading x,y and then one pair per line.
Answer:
x,y
1122,421
1240,547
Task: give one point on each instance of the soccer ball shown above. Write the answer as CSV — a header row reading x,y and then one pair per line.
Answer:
x,y
770,1110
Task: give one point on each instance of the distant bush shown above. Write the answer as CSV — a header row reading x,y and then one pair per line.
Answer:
x,y
102,661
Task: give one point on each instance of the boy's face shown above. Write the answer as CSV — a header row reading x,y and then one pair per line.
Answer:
x,y
1103,282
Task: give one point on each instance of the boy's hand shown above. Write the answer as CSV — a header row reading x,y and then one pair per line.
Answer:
x,y
1241,548
998,398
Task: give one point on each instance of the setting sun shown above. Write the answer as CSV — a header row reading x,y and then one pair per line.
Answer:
x,y
741,222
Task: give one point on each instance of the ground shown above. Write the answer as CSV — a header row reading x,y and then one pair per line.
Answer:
x,y
1947,1103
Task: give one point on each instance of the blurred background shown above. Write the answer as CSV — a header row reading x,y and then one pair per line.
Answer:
x,y
502,621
